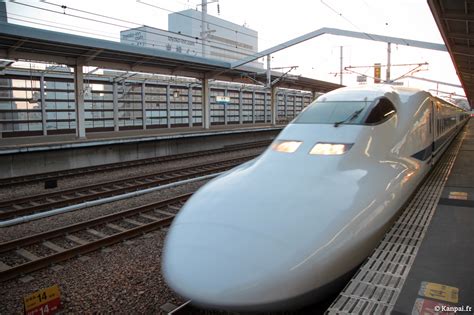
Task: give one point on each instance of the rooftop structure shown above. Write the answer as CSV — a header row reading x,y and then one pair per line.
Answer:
x,y
224,40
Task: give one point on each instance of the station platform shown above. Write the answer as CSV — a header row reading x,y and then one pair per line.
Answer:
x,y
442,273
33,155
424,263
52,142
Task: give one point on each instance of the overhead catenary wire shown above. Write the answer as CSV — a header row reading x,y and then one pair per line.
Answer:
x,y
197,19
167,10
346,19
131,22
124,26
378,13
74,30
117,25
63,26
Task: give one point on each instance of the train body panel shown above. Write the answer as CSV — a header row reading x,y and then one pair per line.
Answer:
x,y
279,230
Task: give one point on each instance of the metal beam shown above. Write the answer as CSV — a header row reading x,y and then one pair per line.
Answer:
x,y
12,49
241,107
226,93
33,44
91,54
274,104
44,115
460,35
80,111
462,50
457,17
115,105
206,107
4,54
339,32
168,105
190,106
75,41
143,106
433,81
265,101
253,107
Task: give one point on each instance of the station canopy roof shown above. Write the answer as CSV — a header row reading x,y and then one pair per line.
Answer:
x,y
455,19
25,43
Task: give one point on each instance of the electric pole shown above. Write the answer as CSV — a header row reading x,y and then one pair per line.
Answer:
x,y
204,27
389,52
341,68
269,71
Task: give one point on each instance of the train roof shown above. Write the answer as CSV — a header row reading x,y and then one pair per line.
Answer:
x,y
371,92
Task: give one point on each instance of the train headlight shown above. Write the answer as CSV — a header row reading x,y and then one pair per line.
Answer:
x,y
286,146
330,148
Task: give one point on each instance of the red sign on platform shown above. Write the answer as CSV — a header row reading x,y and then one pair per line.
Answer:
x,y
45,301
430,307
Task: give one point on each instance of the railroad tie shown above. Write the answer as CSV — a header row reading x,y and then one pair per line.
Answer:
x,y
133,222
96,233
116,227
149,217
4,266
76,239
164,212
53,247
174,208
26,254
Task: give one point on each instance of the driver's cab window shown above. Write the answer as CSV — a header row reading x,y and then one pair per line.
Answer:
x,y
381,112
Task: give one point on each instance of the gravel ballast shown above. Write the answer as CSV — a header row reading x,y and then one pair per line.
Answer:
x,y
49,223
124,280
18,191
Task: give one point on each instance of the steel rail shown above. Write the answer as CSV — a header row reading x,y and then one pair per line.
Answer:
x,y
34,178
42,202
81,249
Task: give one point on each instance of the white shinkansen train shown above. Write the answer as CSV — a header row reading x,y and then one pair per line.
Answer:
x,y
287,228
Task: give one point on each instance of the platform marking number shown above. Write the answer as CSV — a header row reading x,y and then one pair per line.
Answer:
x,y
460,195
44,301
429,307
439,292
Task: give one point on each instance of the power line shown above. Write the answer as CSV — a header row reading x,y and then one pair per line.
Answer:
x,y
197,19
70,29
134,23
385,17
64,26
119,25
157,44
347,20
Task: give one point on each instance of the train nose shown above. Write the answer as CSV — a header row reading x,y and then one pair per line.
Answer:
x,y
222,266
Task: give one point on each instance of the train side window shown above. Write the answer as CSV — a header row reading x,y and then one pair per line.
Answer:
x,y
382,111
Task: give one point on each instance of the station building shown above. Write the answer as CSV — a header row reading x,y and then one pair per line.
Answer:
x,y
224,40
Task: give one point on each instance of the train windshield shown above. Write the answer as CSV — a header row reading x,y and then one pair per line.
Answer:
x,y
330,112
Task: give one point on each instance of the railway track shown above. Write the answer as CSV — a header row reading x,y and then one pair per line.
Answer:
x,y
35,178
24,255
42,202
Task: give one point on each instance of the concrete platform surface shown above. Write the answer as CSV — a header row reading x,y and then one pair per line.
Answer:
x,y
441,279
53,142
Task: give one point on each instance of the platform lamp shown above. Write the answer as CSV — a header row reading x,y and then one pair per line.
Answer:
x,y
176,93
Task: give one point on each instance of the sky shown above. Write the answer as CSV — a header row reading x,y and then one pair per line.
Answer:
x,y
277,22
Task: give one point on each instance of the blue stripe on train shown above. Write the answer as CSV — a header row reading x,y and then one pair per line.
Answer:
x,y
425,154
